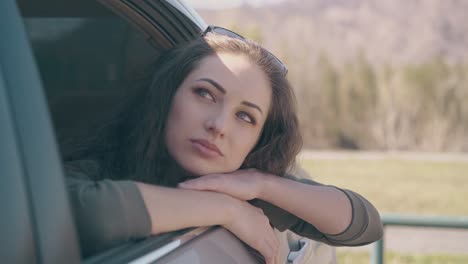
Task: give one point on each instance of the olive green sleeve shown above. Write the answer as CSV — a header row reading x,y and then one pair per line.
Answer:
x,y
106,212
365,227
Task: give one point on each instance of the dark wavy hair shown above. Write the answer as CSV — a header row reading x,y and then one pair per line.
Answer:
x,y
132,145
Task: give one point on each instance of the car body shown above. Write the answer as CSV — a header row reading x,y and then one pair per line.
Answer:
x,y
63,65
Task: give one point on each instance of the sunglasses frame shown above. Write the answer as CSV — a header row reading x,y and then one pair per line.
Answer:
x,y
226,32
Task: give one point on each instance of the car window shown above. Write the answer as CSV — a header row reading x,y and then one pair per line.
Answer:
x,y
87,65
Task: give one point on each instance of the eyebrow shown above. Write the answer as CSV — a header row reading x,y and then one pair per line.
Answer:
x,y
215,84
252,105
223,91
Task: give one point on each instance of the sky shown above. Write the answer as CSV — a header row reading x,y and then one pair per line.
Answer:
x,y
220,4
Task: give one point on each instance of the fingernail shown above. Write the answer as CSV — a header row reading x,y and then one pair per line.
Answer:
x,y
185,183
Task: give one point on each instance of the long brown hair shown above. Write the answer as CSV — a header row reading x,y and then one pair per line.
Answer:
x,y
132,145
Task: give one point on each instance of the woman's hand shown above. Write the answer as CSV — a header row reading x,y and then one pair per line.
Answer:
x,y
250,225
246,221
242,184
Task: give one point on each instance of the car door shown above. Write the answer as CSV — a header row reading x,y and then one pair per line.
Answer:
x,y
36,223
84,51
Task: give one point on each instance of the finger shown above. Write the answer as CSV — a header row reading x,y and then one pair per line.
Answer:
x,y
197,184
191,184
267,252
271,241
259,210
213,182
243,171
274,239
269,261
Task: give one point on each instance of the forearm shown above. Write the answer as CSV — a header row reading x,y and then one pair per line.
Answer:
x,y
106,212
329,214
172,209
326,208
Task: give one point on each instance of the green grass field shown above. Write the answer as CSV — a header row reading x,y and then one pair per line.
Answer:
x,y
399,186
346,257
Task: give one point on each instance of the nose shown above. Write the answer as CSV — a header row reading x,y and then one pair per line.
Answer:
x,y
216,124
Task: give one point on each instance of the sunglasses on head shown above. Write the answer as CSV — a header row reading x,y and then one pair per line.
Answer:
x,y
226,32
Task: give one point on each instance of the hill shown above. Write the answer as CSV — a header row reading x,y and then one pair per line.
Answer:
x,y
397,31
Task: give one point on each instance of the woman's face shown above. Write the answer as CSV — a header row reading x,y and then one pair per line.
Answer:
x,y
217,114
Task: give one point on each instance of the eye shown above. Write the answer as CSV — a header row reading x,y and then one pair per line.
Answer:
x,y
202,92
246,117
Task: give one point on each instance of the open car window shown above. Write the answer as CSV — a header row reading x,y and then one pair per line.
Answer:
x,y
87,65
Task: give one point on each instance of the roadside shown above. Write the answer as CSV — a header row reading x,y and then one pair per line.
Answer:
x,y
422,240
368,155
434,184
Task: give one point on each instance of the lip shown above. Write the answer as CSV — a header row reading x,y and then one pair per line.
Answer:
x,y
207,148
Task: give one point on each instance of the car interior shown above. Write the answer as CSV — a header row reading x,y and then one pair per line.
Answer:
x,y
87,61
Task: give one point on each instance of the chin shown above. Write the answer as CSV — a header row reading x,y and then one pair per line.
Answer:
x,y
197,171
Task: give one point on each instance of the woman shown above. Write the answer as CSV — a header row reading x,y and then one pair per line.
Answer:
x,y
219,123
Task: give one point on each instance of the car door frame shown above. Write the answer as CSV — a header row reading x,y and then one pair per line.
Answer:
x,y
35,167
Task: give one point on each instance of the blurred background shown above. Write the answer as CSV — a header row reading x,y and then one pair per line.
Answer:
x,y
382,90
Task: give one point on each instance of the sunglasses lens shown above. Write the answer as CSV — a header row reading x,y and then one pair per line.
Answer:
x,y
226,32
